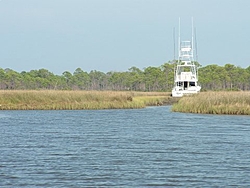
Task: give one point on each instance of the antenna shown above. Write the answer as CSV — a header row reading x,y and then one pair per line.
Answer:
x,y
196,52
174,41
179,40
192,39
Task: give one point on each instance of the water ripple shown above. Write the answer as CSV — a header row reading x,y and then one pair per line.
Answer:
x,y
150,147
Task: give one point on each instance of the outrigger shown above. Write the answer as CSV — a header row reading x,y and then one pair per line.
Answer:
x,y
186,72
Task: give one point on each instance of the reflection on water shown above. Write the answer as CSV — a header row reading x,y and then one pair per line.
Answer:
x,y
124,148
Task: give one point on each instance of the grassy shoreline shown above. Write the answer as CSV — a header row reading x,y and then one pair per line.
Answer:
x,y
227,102
79,100
232,103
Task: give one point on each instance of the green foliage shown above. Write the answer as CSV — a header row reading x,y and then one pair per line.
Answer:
x,y
229,77
211,77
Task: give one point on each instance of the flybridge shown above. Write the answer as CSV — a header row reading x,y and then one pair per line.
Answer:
x,y
186,72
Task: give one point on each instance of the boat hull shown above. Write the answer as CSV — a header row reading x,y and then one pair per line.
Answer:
x,y
177,92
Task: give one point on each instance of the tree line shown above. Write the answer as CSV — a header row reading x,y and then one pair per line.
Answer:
x,y
211,77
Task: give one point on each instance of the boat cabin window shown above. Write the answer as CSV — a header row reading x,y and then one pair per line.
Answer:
x,y
185,84
179,84
191,83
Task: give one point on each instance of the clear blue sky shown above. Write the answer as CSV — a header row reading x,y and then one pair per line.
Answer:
x,y
114,35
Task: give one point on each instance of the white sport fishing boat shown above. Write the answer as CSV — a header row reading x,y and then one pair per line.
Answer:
x,y
186,72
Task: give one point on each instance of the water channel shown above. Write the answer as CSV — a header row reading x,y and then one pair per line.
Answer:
x,y
123,148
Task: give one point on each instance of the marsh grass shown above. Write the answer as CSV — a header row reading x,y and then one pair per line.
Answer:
x,y
77,100
234,103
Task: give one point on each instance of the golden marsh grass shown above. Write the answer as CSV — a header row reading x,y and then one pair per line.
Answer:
x,y
234,103
77,100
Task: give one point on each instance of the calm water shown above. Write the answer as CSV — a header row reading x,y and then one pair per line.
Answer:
x,y
123,148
